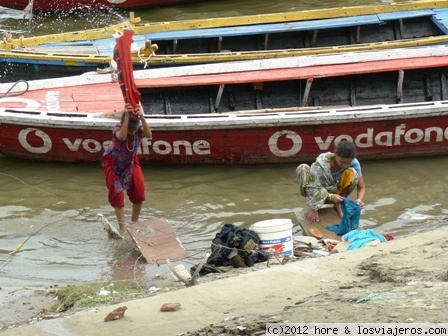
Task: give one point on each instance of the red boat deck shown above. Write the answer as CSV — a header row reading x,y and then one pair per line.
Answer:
x,y
317,71
86,98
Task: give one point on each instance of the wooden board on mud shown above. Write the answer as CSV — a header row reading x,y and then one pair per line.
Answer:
x,y
328,216
157,241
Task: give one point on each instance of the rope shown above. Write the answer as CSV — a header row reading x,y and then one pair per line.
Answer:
x,y
6,94
13,253
145,61
150,48
28,185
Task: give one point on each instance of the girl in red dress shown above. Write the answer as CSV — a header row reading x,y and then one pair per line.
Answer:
x,y
121,163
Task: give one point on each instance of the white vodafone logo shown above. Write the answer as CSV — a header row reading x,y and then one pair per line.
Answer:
x,y
46,146
30,104
295,147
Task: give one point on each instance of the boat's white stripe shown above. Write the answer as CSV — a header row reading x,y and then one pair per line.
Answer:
x,y
232,121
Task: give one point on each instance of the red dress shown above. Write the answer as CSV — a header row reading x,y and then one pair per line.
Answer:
x,y
121,165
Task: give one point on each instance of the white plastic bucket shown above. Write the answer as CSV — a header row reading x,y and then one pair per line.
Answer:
x,y
275,236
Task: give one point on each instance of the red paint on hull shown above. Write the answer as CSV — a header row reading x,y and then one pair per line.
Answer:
x,y
86,5
58,124
375,139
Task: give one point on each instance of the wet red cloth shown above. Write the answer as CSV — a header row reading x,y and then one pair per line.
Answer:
x,y
125,68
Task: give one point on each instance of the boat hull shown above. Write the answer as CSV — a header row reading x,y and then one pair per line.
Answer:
x,y
379,132
86,5
391,104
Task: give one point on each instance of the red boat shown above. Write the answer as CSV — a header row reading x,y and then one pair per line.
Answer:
x,y
84,5
391,104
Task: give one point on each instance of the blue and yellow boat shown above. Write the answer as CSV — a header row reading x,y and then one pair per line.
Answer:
x,y
312,32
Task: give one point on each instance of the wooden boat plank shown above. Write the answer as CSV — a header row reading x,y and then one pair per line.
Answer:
x,y
104,49
78,99
157,241
312,14
91,106
106,45
89,102
89,60
264,28
80,35
66,49
328,216
83,98
406,14
440,19
57,58
100,46
282,74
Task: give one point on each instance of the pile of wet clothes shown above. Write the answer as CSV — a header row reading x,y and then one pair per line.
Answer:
x,y
234,247
307,246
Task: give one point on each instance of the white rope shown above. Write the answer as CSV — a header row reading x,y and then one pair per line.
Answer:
x,y
112,69
145,61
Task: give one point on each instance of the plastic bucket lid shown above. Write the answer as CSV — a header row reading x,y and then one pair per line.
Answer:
x,y
272,225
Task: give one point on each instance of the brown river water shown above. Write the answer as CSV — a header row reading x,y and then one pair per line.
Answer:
x,y
52,208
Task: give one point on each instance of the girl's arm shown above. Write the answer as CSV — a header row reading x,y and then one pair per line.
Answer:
x,y
123,132
141,115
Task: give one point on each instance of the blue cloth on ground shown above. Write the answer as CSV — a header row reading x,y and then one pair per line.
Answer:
x,y
359,238
350,219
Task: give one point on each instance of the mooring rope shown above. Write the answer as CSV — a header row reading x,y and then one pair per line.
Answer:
x,y
7,93
143,60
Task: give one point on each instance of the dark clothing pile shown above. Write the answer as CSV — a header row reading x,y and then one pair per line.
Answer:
x,y
235,247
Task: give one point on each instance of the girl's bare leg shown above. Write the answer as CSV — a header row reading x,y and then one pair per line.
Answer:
x,y
119,212
136,209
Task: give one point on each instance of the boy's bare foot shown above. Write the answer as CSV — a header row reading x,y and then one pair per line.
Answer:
x,y
313,216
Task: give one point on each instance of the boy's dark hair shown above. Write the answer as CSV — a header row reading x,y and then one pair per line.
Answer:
x,y
133,122
346,150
